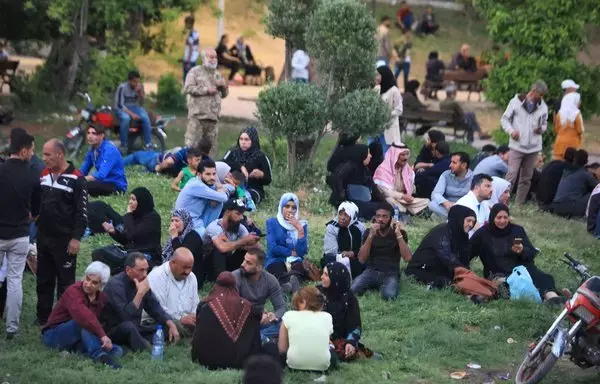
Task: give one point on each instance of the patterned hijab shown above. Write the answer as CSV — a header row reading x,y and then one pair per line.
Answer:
x,y
188,226
229,308
244,157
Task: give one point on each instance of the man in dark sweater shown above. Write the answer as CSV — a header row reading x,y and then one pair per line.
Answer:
x,y
385,243
19,202
426,180
574,189
61,224
127,294
550,178
425,158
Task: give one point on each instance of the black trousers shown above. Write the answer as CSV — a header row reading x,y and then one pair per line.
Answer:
x,y
100,212
98,188
136,337
542,281
218,262
234,66
55,273
3,293
424,185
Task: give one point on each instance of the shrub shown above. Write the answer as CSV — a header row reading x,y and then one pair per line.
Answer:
x,y
361,112
106,75
169,95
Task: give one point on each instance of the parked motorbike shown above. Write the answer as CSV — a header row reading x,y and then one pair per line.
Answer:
x,y
575,332
107,117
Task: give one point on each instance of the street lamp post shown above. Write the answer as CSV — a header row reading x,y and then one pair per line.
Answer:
x,y
220,22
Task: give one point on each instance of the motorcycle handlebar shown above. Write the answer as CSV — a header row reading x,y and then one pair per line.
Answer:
x,y
572,260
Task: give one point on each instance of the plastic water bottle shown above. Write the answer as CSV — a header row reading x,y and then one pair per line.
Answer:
x,y
158,344
396,214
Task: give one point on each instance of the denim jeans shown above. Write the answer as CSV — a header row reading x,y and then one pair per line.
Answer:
x,y
69,336
402,67
387,282
125,120
271,330
149,159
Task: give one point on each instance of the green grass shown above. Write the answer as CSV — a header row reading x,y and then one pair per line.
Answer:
x,y
423,336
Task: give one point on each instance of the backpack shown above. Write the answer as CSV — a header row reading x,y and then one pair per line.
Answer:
x,y
468,282
521,285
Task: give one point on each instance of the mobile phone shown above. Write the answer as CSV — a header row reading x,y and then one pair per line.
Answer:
x,y
262,235
518,241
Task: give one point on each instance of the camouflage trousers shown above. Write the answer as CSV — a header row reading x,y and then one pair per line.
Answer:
x,y
197,129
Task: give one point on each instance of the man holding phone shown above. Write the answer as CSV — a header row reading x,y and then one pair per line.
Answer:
x,y
226,239
128,103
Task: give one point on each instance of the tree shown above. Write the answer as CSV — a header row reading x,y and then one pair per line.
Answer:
x,y
361,112
292,111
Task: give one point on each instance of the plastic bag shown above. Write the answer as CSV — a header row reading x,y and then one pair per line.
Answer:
x,y
521,285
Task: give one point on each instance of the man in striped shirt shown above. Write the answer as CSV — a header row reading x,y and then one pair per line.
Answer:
x,y
128,103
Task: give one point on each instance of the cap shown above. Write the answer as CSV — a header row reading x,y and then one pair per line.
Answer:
x,y
235,204
569,84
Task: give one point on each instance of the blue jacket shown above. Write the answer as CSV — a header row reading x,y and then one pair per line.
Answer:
x,y
440,166
278,249
108,163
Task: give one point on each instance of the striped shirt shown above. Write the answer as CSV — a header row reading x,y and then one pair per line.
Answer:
x,y
126,96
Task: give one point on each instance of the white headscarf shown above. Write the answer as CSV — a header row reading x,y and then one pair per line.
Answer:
x,y
222,170
282,221
499,185
569,107
351,210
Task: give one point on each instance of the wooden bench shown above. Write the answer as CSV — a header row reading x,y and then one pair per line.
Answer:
x,y
8,69
467,81
433,118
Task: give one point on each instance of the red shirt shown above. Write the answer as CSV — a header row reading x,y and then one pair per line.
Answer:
x,y
74,304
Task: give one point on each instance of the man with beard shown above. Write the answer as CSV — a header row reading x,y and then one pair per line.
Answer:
x,y
225,239
257,285
205,87
383,246
201,197
452,185
477,199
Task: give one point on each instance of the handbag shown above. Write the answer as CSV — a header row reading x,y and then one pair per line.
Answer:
x,y
468,282
521,285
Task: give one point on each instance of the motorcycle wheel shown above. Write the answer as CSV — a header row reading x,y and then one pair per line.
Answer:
x,y
73,146
534,368
136,142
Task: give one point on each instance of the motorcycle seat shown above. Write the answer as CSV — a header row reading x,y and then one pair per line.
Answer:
x,y
591,290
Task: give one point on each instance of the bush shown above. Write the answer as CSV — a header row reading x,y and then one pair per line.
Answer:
x,y
169,95
106,75
361,112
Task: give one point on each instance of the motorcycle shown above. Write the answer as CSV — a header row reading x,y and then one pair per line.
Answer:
x,y
579,337
107,117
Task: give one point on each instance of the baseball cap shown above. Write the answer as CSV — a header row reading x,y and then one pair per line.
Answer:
x,y
569,84
235,204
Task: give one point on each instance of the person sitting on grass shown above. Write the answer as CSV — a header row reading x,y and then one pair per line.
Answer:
x,y
452,185
262,369
225,240
428,25
502,245
128,294
395,180
495,165
227,327
305,332
109,177
141,232
287,243
485,152
404,17
257,285
343,238
384,244
427,178
550,178
426,157
443,249
343,307
593,213
74,324
194,157
176,289
478,198
500,191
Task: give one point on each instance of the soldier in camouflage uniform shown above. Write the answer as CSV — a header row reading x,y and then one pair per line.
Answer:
x,y
204,87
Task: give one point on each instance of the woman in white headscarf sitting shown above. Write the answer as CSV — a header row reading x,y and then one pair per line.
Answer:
x,y
343,238
500,191
395,179
568,125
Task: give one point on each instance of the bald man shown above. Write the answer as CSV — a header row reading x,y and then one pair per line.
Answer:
x,y
61,224
204,87
464,60
176,288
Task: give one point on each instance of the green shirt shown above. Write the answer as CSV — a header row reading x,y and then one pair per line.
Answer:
x,y
187,176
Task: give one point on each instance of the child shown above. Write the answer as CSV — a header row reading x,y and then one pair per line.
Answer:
x,y
194,157
239,180
305,331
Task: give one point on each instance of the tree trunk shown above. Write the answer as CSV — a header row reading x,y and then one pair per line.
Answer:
x,y
60,71
291,157
322,132
286,71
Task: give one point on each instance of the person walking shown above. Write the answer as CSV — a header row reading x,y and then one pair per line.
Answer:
x,y
525,120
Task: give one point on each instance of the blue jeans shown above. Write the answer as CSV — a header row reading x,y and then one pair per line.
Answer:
x,y
438,209
69,336
405,68
32,232
271,331
148,159
597,233
125,120
387,282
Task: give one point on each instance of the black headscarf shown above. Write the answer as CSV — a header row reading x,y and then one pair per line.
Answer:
x,y
145,201
241,157
345,141
340,281
341,303
494,230
411,87
387,79
357,153
459,239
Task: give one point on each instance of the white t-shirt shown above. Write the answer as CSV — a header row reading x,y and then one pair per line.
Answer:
x,y
308,334
194,39
300,61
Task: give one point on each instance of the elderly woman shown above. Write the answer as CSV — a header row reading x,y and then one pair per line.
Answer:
x,y
568,125
74,322
182,234
395,179
343,238
287,242
247,156
500,191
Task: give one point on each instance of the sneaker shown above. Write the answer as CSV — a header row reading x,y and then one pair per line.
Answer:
x,y
107,360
